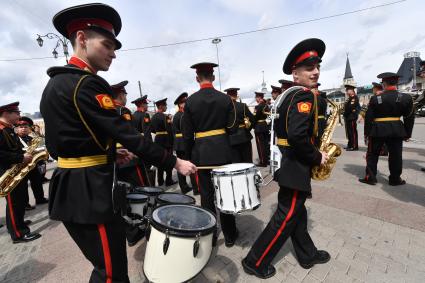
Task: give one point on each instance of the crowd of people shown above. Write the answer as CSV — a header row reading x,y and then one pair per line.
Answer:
x,y
95,139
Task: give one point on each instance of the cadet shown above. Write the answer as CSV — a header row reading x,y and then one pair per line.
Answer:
x,y
261,129
161,126
351,114
276,91
241,139
209,116
296,133
179,144
82,128
141,118
383,126
285,84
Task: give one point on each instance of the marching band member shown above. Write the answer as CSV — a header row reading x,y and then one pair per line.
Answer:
x,y
161,126
141,118
209,116
241,139
179,146
285,84
296,130
261,129
383,126
82,128
351,114
276,91
11,153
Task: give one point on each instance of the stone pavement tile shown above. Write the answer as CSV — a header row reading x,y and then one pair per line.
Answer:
x,y
320,271
397,270
283,270
299,273
414,275
336,277
399,255
346,253
310,279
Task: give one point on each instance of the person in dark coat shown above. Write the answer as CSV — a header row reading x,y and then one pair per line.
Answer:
x,y
209,117
296,131
285,84
141,118
179,146
11,153
351,114
23,129
261,129
384,126
161,126
241,139
82,128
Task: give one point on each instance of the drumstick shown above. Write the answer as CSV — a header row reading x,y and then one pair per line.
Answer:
x,y
209,167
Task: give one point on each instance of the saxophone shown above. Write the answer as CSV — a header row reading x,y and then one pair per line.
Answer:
x,y
13,176
323,171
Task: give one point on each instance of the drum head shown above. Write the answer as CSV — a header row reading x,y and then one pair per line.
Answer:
x,y
136,198
150,191
234,167
183,220
175,198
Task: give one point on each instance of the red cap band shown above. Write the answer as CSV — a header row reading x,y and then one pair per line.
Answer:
x,y
82,24
21,123
306,55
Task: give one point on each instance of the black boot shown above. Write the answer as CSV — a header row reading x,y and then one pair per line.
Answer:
x,y
320,257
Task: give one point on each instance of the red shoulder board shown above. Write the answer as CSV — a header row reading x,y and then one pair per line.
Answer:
x,y
105,101
304,107
127,116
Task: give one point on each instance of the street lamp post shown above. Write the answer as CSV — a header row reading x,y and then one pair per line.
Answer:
x,y
216,41
60,41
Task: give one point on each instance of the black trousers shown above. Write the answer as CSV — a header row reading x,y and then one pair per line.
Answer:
x,y
136,175
182,178
395,157
289,220
104,246
169,172
262,140
242,153
15,210
36,181
353,138
206,188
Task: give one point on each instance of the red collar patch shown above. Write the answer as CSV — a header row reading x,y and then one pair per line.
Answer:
x,y
207,85
81,64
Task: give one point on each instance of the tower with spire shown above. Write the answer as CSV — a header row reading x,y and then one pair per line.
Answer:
x,y
348,76
263,86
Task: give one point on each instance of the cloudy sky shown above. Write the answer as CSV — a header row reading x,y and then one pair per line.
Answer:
x,y
375,40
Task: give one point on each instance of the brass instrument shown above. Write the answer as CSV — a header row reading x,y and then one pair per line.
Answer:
x,y
323,171
13,176
363,111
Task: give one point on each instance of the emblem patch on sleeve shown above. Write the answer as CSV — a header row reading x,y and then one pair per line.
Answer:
x,y
304,107
105,101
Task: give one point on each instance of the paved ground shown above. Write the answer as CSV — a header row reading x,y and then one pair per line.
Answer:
x,y
373,233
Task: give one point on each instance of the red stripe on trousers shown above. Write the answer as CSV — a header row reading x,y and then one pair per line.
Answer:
x,y
139,174
197,182
12,216
279,232
106,252
260,150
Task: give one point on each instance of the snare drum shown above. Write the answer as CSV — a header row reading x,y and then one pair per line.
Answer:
x,y
174,198
179,243
151,192
236,187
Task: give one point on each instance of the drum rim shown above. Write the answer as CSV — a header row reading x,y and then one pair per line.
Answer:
x,y
233,173
239,170
182,233
137,200
141,189
161,201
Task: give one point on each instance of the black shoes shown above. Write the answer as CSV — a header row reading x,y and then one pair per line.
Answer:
x,y
136,238
29,207
42,201
397,183
352,149
270,271
45,180
185,190
423,169
27,238
368,181
320,257
230,242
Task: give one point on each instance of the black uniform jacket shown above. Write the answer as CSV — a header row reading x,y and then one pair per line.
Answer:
x,y
296,124
10,148
390,103
205,110
84,122
323,106
242,134
142,122
178,134
160,124
352,108
260,118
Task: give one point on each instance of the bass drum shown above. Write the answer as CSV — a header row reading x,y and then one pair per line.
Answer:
x,y
236,187
174,198
179,243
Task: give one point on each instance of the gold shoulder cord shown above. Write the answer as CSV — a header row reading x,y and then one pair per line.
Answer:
x,y
234,109
77,88
287,111
316,117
